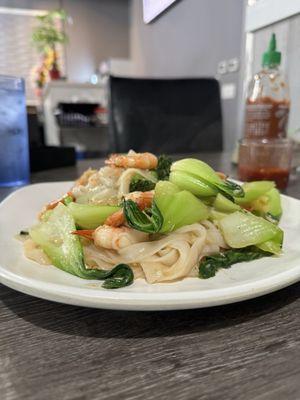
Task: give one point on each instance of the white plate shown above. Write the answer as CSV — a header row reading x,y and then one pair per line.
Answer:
x,y
240,282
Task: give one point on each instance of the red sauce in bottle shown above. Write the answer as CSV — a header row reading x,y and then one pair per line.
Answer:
x,y
264,153
279,175
266,118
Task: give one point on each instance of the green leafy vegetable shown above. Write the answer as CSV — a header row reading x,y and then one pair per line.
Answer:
x,y
273,245
268,206
215,215
67,200
178,207
90,216
149,220
274,207
232,189
140,184
187,181
269,217
199,178
163,167
64,249
223,204
243,229
211,264
121,275
254,190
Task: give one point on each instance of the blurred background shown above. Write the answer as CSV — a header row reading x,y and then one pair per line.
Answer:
x,y
67,49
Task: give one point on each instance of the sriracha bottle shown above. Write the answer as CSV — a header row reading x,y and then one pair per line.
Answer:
x,y
268,103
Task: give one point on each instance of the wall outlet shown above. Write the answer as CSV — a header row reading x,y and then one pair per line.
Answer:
x,y
233,64
222,67
228,91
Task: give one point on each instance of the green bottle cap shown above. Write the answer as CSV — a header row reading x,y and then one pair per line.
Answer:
x,y
271,57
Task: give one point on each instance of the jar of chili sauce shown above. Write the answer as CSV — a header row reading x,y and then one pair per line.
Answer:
x,y
265,159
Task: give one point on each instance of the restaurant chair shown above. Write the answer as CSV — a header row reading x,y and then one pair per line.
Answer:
x,y
44,157
165,115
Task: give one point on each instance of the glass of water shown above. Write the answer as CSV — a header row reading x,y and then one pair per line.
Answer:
x,y
14,153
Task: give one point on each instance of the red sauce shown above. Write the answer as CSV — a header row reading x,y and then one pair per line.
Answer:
x,y
278,175
266,118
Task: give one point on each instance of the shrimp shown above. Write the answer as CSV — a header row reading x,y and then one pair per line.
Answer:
x,y
112,238
133,160
53,204
84,178
142,199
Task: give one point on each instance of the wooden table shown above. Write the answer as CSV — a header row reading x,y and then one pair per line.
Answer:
x,y
247,350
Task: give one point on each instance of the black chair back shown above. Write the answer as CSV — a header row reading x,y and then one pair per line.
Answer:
x,y
165,115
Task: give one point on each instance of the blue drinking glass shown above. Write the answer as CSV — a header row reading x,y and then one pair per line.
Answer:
x,y
14,153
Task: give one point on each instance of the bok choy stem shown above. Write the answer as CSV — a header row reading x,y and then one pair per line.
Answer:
x,y
200,179
65,250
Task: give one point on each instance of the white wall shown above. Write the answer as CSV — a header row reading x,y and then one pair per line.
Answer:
x,y
100,31
190,39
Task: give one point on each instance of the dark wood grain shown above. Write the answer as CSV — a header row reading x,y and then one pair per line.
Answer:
x,y
247,350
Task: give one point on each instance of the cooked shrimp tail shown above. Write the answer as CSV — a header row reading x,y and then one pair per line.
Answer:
x,y
54,203
86,233
116,219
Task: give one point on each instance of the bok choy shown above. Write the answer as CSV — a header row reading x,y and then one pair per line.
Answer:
x,y
200,179
253,190
211,264
90,216
243,229
268,206
140,184
163,167
178,207
54,236
149,220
